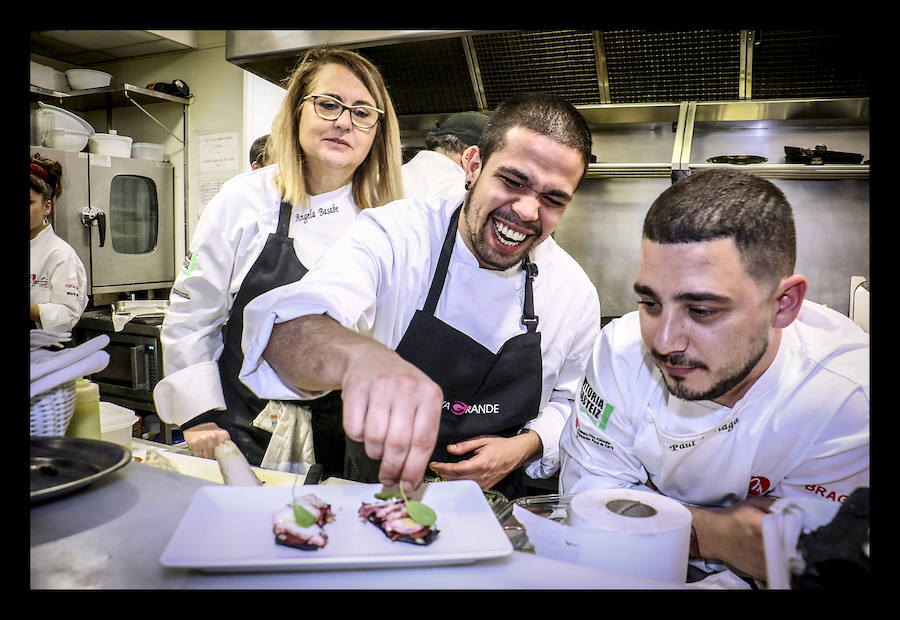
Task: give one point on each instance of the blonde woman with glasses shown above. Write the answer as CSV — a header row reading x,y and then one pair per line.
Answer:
x,y
335,150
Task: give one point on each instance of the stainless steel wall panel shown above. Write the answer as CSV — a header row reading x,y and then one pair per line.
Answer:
x,y
833,242
769,140
601,229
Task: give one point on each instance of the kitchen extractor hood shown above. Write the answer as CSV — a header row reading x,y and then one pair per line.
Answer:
x,y
439,72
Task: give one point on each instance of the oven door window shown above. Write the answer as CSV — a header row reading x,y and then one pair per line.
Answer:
x,y
133,214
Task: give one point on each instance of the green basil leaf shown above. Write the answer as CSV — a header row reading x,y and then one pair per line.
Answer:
x,y
384,495
420,513
303,517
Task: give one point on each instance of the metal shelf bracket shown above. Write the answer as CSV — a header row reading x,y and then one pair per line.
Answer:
x,y
153,118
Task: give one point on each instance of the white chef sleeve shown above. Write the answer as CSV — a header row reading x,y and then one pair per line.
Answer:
x,y
552,418
596,445
191,334
838,461
343,284
68,297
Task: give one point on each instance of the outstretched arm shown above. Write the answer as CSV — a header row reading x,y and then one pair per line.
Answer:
x,y
389,404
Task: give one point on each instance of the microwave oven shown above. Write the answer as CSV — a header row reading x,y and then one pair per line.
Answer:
x,y
118,214
135,359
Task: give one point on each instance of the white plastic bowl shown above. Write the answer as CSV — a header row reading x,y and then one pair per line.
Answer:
x,y
66,140
116,423
80,79
147,150
48,77
110,144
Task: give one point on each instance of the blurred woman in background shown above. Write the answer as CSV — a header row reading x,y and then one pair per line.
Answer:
x,y
58,278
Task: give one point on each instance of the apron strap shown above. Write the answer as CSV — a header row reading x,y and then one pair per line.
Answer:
x,y
529,318
440,273
284,219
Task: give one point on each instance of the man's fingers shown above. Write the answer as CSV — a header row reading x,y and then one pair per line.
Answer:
x,y
378,418
394,409
356,402
396,446
424,437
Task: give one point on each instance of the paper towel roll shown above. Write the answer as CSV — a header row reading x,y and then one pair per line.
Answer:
x,y
633,532
619,530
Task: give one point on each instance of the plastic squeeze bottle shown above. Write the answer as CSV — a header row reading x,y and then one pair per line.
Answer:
x,y
85,421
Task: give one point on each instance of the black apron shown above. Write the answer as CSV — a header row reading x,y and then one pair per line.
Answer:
x,y
276,265
484,393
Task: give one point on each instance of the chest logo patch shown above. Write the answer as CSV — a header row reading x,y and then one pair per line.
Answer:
x,y
759,485
592,404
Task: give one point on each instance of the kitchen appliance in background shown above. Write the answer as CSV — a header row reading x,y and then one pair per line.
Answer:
x,y
118,214
135,363
859,301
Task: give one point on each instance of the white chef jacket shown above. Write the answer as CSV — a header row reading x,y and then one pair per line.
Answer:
x,y
802,429
431,174
58,282
228,239
379,273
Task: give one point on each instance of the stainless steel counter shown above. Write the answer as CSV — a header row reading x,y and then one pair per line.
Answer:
x,y
111,534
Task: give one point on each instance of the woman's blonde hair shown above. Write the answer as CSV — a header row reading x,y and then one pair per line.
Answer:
x,y
378,179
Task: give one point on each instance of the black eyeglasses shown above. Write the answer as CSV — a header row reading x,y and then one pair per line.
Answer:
x,y
330,109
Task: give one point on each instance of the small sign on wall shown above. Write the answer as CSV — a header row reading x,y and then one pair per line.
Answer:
x,y
208,189
218,152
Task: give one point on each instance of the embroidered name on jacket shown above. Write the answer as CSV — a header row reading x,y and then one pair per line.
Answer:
x,y
308,215
724,428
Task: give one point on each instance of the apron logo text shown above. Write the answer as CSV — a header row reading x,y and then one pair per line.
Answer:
x,y
461,408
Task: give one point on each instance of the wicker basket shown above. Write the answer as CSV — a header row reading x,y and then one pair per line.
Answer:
x,y
51,411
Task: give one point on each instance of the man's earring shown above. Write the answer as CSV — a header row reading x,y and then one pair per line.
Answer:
x,y
467,185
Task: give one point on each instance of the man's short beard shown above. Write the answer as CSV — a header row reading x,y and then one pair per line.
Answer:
x,y
721,387
480,246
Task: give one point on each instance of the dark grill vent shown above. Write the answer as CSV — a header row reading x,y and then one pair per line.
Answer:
x,y
635,66
644,66
809,63
425,77
561,62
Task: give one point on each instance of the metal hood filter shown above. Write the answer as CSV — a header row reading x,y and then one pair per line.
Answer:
x,y
445,71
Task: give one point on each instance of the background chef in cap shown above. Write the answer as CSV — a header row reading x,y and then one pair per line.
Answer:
x,y
438,171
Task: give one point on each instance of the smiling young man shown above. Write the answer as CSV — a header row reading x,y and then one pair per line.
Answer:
x,y
726,389
456,327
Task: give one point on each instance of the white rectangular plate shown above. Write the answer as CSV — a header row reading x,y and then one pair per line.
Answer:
x,y
229,528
